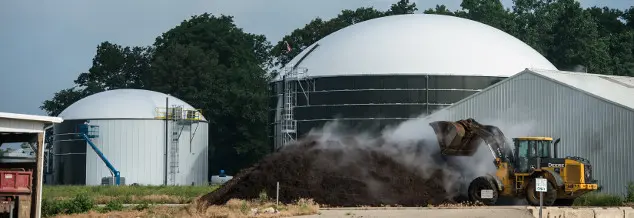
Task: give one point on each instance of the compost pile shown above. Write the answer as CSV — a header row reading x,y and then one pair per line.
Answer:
x,y
353,175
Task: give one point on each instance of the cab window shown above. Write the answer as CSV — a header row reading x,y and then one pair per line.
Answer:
x,y
533,149
523,149
543,148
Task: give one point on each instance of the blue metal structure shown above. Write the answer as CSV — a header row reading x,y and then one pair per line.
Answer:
x,y
91,131
114,171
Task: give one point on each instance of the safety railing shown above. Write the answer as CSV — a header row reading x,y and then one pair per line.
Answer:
x,y
176,113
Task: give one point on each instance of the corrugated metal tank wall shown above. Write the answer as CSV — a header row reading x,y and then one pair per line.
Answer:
x,y
193,161
136,149
589,127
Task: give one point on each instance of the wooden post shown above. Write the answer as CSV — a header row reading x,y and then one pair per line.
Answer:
x,y
36,193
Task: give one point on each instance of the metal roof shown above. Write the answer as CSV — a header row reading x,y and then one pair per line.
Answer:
x,y
121,104
29,117
615,89
419,44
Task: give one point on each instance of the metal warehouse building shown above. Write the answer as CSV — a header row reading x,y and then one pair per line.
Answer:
x,y
390,69
592,114
130,128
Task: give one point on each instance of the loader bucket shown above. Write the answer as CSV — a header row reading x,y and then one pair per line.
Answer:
x,y
456,139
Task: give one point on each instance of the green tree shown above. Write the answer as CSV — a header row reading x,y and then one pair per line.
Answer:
x,y
490,12
113,67
576,39
608,20
402,7
211,63
628,17
612,26
439,9
61,100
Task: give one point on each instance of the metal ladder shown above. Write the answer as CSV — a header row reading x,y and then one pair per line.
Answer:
x,y
289,124
174,146
292,86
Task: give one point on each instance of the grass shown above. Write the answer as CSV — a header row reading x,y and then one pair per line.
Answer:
x,y
81,201
603,199
129,194
599,200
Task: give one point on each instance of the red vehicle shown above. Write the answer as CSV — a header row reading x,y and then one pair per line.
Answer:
x,y
14,183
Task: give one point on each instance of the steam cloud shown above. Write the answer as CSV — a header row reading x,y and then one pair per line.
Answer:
x,y
414,144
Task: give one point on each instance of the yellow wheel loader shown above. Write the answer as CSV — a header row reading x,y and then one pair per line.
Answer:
x,y
517,167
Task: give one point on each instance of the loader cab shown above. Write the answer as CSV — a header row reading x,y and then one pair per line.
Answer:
x,y
528,149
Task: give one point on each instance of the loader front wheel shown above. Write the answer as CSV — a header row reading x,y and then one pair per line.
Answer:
x,y
532,196
476,187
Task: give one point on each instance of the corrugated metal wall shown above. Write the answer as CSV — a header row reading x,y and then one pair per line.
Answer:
x,y
589,127
136,149
193,156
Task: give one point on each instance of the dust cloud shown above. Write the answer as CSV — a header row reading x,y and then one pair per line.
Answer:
x,y
413,144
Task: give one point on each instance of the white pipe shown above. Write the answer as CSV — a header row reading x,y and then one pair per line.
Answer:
x,y
40,174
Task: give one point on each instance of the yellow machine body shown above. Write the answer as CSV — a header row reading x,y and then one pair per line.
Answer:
x,y
518,166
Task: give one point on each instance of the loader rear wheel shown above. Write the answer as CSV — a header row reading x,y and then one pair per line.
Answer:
x,y
479,184
532,196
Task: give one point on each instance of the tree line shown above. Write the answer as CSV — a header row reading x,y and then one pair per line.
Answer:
x,y
216,66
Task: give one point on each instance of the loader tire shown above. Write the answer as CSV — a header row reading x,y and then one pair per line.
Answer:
x,y
479,184
532,196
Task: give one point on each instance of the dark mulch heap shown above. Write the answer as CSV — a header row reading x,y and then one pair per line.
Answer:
x,y
333,177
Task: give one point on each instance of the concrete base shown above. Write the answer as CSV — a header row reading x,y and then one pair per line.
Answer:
x,y
579,213
472,212
590,212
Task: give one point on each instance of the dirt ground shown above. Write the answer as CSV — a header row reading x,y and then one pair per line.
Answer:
x,y
232,209
158,212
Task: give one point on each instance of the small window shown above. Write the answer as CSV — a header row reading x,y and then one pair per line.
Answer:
x,y
543,148
523,149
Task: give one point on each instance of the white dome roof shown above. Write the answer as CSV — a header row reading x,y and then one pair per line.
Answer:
x,y
121,104
420,44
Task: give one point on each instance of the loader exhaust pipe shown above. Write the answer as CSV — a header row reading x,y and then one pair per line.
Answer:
x,y
555,148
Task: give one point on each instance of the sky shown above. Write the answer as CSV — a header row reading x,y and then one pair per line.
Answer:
x,y
45,45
